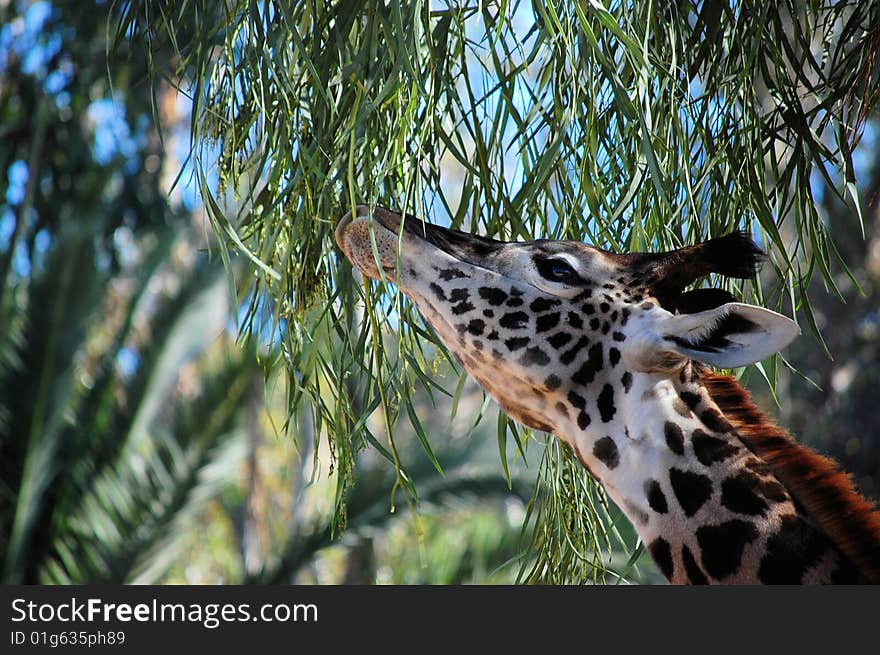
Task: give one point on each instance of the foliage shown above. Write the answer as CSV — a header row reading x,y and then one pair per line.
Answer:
x,y
632,125
450,555
102,309
104,455
88,480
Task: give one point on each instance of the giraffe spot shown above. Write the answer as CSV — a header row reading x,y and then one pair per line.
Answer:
x,y
613,316
568,356
605,327
722,545
457,295
691,489
681,408
559,339
574,320
845,572
488,313
478,344
690,399
476,327
619,336
713,420
547,322
543,304
773,491
793,549
497,354
576,400
514,302
534,356
648,305
627,381
515,343
739,494
613,356
587,372
624,316
552,382
493,335
583,295
594,324
606,403
656,497
514,320
452,273
438,291
588,309
674,437
462,307
694,573
604,307
515,292
532,422
709,449
562,409
605,450
583,420
662,555
494,297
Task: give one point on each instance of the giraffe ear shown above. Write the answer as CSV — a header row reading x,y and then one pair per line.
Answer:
x,y
732,335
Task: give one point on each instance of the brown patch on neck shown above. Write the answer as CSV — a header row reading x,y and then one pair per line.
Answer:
x,y
817,483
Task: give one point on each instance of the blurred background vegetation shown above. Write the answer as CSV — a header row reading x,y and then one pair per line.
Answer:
x,y
175,409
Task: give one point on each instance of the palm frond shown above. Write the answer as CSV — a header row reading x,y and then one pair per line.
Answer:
x,y
40,392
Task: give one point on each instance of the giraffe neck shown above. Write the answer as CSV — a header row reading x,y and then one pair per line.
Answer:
x,y
707,507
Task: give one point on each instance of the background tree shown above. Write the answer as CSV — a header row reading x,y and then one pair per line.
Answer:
x,y
103,306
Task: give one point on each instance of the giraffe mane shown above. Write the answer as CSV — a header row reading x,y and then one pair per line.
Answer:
x,y
828,495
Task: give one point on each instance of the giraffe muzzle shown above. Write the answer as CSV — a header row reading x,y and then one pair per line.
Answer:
x,y
353,231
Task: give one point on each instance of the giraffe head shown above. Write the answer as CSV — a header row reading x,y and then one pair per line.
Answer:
x,y
551,328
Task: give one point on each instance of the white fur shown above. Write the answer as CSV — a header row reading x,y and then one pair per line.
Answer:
x,y
653,346
774,332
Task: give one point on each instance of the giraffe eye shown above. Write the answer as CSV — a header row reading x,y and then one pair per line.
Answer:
x,y
556,270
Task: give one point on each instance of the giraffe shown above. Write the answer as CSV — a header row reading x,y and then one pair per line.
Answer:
x,y
612,355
